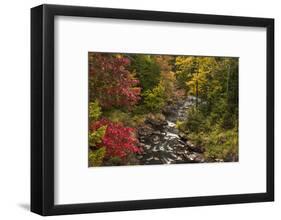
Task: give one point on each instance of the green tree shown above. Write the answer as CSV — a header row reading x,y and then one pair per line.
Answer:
x,y
214,121
146,69
185,67
167,77
154,99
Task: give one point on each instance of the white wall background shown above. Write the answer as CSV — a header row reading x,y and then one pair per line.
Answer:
x,y
15,108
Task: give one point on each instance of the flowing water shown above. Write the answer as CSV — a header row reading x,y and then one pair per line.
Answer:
x,y
163,143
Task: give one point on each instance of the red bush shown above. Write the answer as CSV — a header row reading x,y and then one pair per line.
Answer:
x,y
118,140
111,82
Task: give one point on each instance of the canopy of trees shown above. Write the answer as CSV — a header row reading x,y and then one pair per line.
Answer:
x,y
213,121
127,89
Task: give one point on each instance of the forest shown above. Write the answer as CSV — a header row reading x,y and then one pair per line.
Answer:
x,y
162,109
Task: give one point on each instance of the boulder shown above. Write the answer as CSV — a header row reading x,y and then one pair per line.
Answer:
x,y
194,158
156,123
193,148
197,149
182,136
145,131
155,139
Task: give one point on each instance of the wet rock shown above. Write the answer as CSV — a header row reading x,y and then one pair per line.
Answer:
x,y
155,162
194,158
199,158
142,140
173,142
161,141
169,148
145,131
181,152
182,136
171,124
189,144
146,146
155,139
141,145
149,159
173,130
181,142
174,156
158,133
193,148
170,110
156,124
172,135
155,149
231,158
167,160
197,149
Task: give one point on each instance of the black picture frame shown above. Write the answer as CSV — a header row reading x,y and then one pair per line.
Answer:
x,y
42,109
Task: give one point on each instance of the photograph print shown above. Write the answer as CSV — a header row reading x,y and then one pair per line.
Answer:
x,y
147,109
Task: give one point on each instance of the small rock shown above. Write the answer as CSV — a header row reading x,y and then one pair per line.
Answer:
x,y
157,124
197,149
154,149
147,146
149,159
189,144
157,132
182,136
145,131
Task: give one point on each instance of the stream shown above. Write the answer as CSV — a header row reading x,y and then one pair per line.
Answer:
x,y
163,143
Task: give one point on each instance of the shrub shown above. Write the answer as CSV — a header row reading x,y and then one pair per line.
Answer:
x,y
96,151
94,110
137,120
96,136
114,161
96,156
195,120
218,143
154,99
222,144
131,119
117,115
118,140
181,125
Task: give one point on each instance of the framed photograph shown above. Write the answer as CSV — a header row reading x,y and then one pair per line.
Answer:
x,y
139,109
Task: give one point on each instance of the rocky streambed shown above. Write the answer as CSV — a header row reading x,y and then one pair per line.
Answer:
x,y
163,143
